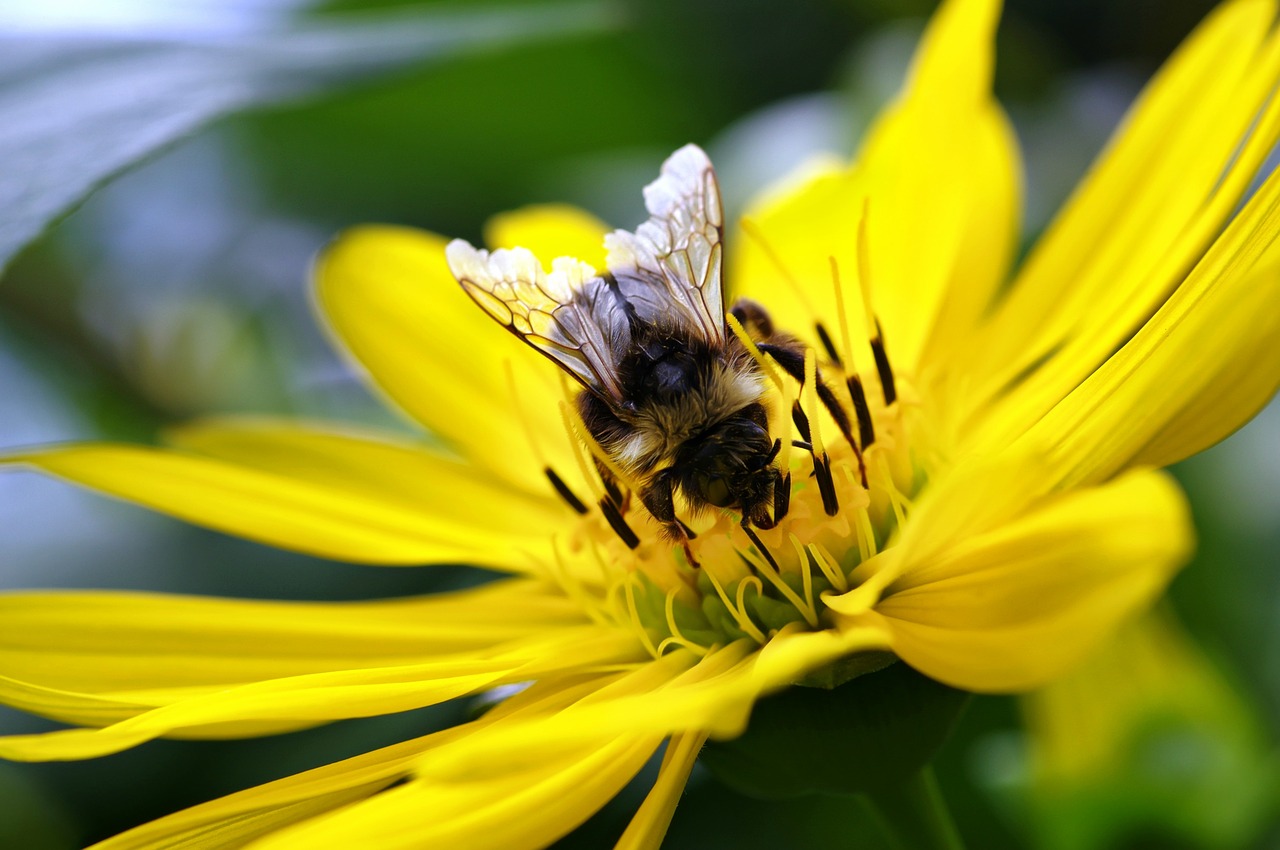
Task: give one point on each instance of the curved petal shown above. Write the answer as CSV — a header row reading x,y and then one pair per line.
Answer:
x,y
938,179
649,826
389,297
308,699
151,649
1173,175
504,810
550,231
333,509
1013,608
239,818
1212,341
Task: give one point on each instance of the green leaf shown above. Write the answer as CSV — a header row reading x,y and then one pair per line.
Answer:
x,y
77,109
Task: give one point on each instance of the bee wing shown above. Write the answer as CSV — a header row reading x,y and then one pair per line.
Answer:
x,y
678,250
568,315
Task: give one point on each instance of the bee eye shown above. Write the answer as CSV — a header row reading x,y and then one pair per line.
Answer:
x,y
715,490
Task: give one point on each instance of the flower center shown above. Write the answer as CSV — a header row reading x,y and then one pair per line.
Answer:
x,y
846,479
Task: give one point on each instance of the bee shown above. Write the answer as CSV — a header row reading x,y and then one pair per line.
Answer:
x,y
671,396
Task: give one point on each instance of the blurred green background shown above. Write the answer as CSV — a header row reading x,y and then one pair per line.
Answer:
x,y
178,288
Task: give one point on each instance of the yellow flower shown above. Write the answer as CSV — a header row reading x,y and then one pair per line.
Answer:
x,y
1012,517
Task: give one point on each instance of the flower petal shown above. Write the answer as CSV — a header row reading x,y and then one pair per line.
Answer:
x,y
649,826
1012,608
550,231
312,698
1158,197
508,810
390,298
150,649
939,169
1213,342
243,816
333,509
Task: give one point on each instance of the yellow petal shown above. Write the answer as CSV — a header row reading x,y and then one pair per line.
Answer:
x,y
1016,607
507,811
173,646
649,826
328,511
550,231
241,817
1148,210
939,169
1213,341
312,698
389,297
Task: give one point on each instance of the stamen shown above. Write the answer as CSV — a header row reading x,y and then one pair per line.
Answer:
x,y
738,612
773,573
830,568
882,366
628,586
753,349
565,493
828,345
842,314
618,524
806,577
866,427
677,638
867,548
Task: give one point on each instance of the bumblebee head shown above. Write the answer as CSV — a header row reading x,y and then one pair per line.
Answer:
x,y
729,465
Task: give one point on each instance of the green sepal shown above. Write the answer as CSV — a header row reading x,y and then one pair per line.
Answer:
x,y
874,731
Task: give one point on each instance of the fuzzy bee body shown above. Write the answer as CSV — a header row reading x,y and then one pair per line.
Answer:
x,y
671,397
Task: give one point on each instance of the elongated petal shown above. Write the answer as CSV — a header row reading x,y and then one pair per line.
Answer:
x,y
173,646
1147,212
319,697
649,826
1013,608
1213,341
550,231
238,818
940,168
327,511
391,300
509,810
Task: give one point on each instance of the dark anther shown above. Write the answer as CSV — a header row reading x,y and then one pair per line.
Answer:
x,y
688,532
883,367
826,484
564,491
618,524
866,430
801,420
828,345
803,445
610,483
764,550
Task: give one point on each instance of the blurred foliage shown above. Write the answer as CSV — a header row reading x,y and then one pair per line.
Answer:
x,y
179,290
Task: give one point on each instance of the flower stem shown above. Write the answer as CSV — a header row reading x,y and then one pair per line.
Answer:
x,y
914,815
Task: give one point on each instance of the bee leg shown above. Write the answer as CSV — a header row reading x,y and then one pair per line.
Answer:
x,y
658,498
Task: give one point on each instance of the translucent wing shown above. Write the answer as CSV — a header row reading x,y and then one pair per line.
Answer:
x,y
569,314
670,268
